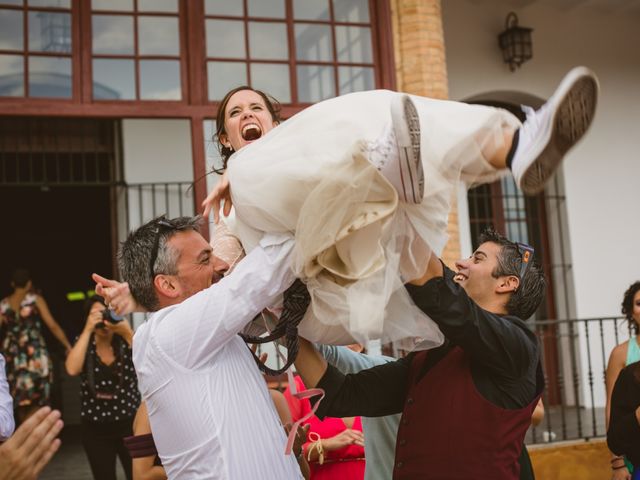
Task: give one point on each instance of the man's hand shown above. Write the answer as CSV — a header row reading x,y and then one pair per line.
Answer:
x,y
221,191
433,269
25,454
116,295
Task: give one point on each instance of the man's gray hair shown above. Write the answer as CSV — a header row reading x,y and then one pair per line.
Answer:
x,y
134,257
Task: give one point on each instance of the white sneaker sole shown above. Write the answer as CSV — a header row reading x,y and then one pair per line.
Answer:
x,y
575,100
406,126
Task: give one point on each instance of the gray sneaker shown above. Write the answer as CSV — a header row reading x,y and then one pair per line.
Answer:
x,y
551,131
405,171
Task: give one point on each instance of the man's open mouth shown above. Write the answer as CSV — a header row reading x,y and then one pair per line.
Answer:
x,y
251,131
459,277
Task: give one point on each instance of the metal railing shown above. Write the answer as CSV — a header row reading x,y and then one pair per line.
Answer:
x,y
144,201
575,354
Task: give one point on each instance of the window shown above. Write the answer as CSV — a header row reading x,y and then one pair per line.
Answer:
x,y
300,51
35,48
136,50
88,52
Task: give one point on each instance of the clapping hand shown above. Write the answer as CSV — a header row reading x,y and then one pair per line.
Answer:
x,y
25,454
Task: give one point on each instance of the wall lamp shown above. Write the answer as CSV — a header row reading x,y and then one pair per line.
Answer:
x,y
515,42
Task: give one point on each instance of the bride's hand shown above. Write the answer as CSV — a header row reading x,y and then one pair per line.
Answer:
x,y
220,192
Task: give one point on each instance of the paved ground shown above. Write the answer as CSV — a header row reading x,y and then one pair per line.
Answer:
x,y
70,463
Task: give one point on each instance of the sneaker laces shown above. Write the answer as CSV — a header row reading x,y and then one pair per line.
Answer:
x,y
382,148
533,123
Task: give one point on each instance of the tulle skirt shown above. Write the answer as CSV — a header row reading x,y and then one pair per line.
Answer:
x,y
356,244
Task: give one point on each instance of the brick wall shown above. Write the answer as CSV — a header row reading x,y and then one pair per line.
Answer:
x,y
421,69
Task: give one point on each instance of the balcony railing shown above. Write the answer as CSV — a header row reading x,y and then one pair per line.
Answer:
x,y
575,356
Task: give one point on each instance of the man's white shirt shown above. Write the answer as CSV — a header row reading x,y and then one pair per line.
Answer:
x,y
210,411
7,424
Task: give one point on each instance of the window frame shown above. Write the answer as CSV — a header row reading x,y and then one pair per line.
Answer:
x,y
381,47
135,14
26,54
194,104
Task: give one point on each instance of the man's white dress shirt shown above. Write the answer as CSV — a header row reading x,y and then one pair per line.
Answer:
x,y
211,413
7,423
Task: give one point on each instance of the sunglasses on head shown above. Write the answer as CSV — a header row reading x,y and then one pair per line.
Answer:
x,y
526,257
163,224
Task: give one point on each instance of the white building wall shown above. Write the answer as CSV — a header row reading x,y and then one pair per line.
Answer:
x,y
601,174
157,151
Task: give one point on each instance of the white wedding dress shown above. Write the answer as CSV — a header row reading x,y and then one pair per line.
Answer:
x,y
356,244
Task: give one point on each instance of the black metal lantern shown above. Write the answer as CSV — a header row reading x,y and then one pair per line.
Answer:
x,y
515,42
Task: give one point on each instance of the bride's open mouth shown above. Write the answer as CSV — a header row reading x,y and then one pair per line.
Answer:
x,y
251,131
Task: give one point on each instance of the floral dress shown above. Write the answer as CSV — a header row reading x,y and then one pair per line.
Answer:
x,y
29,369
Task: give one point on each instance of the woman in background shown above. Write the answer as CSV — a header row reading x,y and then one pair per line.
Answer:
x,y
334,446
109,389
29,369
623,434
624,354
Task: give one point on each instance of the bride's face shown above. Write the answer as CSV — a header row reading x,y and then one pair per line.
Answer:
x,y
246,119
